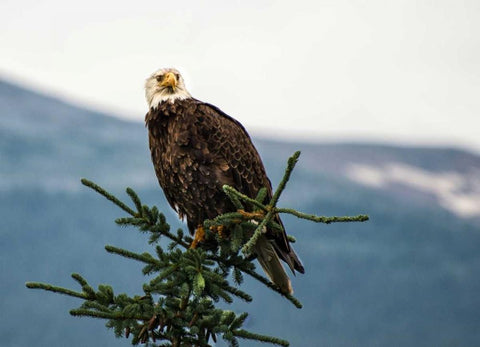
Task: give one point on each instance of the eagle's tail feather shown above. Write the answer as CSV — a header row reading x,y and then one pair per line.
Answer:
x,y
290,258
270,262
294,262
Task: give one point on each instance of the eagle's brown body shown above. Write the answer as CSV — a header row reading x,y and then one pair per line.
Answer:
x,y
196,149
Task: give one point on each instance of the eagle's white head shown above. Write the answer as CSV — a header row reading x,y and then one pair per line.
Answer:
x,y
165,85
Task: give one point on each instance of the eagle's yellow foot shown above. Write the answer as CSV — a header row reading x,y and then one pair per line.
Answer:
x,y
220,230
198,237
259,214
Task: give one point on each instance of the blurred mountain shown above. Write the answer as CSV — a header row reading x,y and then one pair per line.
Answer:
x,y
408,277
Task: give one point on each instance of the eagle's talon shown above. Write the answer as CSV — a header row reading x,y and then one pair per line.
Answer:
x,y
198,237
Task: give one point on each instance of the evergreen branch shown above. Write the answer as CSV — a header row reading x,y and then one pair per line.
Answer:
x,y
85,286
290,165
247,248
107,195
224,219
154,228
239,293
82,281
232,191
293,300
135,221
323,219
104,315
145,258
275,225
96,306
135,199
261,195
164,274
263,338
236,202
55,289
272,286
176,239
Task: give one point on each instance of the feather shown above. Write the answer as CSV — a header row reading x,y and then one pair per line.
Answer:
x,y
270,262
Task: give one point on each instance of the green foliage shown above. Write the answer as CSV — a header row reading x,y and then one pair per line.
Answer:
x,y
177,306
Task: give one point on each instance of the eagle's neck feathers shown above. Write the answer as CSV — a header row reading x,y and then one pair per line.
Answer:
x,y
165,96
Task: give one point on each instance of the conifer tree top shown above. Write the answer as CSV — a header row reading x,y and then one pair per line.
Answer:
x,y
178,304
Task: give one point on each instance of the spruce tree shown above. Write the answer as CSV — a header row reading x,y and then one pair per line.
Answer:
x,y
178,304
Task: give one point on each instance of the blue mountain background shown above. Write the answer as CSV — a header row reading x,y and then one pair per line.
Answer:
x,y
408,277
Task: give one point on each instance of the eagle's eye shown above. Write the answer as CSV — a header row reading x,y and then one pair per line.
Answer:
x,y
177,76
159,78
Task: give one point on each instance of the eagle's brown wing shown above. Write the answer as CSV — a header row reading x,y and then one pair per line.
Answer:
x,y
228,140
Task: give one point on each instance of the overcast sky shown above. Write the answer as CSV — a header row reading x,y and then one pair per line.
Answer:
x,y
404,71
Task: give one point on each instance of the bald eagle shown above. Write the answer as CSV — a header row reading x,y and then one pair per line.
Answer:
x,y
196,149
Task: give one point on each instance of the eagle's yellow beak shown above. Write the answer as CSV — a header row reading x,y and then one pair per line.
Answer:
x,y
169,80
